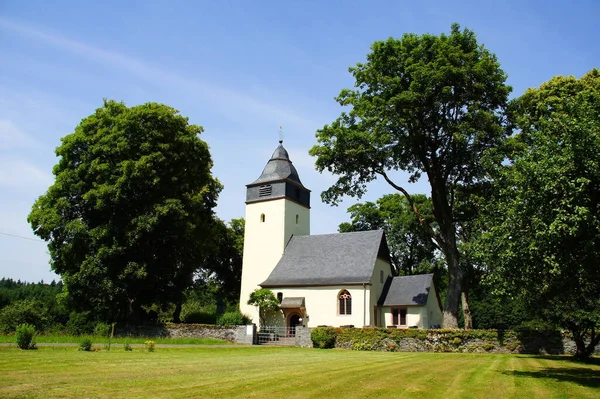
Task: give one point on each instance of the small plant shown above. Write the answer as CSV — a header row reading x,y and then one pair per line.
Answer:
x,y
150,346
234,318
25,335
85,345
323,337
127,346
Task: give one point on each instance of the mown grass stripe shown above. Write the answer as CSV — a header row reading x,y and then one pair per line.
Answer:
x,y
288,372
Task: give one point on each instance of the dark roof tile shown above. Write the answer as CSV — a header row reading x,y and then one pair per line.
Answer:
x,y
328,259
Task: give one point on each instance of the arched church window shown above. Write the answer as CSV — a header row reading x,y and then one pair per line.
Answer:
x,y
297,218
262,217
344,303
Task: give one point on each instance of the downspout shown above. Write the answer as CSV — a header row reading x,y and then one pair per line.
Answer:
x,y
364,304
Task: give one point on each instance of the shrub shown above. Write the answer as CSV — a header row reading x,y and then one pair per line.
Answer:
x,y
80,323
194,312
126,346
150,346
85,345
24,336
323,337
102,330
234,318
26,311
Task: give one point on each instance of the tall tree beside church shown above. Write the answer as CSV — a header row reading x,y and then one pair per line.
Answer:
x,y
128,215
411,249
424,104
542,242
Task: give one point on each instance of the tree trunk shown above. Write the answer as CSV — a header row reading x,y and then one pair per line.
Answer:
x,y
455,275
583,351
452,301
466,311
134,312
177,313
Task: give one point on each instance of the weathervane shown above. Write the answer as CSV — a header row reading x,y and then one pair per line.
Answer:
x,y
280,134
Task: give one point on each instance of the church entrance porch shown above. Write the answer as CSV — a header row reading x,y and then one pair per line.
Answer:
x,y
293,315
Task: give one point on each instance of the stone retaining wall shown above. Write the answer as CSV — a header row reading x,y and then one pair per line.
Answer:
x,y
491,341
237,334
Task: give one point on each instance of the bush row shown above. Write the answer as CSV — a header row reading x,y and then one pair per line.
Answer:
x,y
441,340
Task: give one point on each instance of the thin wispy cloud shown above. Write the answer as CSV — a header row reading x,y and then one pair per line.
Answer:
x,y
12,137
227,100
17,174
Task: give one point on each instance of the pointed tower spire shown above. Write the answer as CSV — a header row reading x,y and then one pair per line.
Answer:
x,y
279,179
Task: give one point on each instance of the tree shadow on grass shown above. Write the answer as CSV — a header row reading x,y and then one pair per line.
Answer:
x,y
578,375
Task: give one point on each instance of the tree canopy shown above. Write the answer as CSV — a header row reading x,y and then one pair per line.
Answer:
x,y
411,248
424,104
130,209
542,241
265,301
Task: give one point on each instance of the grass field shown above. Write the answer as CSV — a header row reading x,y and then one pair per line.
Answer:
x,y
268,372
61,338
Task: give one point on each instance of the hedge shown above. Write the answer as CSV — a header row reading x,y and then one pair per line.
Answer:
x,y
440,340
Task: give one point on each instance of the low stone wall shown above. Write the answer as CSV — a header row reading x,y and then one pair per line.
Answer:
x,y
237,334
491,341
303,337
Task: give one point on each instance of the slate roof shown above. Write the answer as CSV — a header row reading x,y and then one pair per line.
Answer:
x,y
292,303
329,259
406,290
278,168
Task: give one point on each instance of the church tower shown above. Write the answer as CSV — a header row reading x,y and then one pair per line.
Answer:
x,y
277,207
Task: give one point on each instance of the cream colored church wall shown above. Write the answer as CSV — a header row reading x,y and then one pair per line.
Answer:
x,y
322,305
264,242
434,313
414,316
377,282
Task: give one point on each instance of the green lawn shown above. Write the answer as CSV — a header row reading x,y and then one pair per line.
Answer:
x,y
69,339
268,372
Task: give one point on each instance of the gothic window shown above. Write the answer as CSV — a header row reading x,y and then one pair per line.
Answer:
x,y
262,217
344,303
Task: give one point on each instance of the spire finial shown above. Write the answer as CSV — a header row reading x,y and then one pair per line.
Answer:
x,y
280,134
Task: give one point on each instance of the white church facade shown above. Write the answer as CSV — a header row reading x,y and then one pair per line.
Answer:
x,y
343,279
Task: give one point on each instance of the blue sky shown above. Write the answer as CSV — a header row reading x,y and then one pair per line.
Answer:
x,y
240,69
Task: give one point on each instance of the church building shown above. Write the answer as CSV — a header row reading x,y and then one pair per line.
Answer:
x,y
342,279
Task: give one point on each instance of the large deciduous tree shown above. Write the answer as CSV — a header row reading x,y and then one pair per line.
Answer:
x,y
128,215
411,248
543,238
423,104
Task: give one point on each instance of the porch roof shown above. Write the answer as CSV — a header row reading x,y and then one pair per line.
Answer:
x,y
292,303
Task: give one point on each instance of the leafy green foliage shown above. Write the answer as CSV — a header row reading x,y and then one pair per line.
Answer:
x,y
543,236
427,105
221,270
102,330
85,345
12,291
265,301
26,311
80,323
411,249
195,312
24,336
323,337
233,318
444,340
129,213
